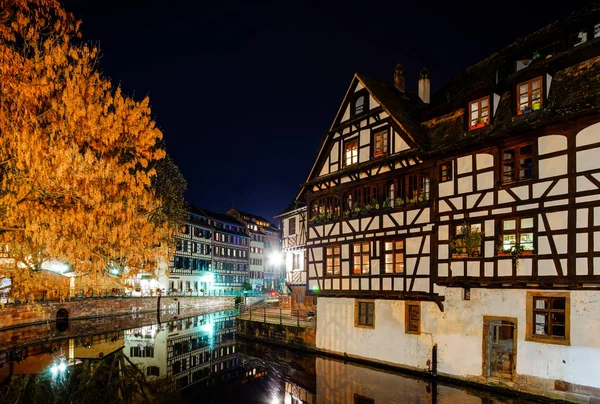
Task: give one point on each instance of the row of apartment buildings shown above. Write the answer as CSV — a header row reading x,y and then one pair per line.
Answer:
x,y
218,253
466,222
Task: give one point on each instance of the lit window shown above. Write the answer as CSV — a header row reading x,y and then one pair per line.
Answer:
x,y
479,113
517,163
332,260
351,152
517,234
394,256
467,240
380,143
529,96
361,258
446,171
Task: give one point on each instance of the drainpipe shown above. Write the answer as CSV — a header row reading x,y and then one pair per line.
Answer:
x,y
434,352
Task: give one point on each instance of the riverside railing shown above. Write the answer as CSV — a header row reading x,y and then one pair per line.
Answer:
x,y
80,294
276,315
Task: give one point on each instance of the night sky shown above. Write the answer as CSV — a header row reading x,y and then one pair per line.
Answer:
x,y
244,93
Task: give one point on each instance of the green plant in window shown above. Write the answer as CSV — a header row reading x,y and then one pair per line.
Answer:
x,y
367,208
376,205
467,241
423,197
356,208
387,203
347,213
399,201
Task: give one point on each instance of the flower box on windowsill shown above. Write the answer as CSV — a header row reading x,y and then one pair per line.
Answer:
x,y
460,255
477,126
503,253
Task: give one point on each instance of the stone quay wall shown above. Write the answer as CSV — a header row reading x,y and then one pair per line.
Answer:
x,y
17,315
276,333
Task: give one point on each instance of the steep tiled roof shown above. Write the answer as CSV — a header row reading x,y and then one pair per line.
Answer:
x,y
405,108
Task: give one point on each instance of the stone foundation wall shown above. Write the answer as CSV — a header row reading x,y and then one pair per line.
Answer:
x,y
19,315
283,334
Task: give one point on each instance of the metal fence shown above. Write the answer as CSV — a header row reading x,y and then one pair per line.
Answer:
x,y
277,315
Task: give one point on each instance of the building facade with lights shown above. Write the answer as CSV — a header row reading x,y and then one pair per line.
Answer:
x,y
465,224
267,271
193,351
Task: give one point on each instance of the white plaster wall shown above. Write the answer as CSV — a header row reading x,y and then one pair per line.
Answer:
x,y
399,143
458,331
589,135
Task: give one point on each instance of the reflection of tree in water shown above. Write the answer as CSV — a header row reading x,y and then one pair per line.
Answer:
x,y
114,379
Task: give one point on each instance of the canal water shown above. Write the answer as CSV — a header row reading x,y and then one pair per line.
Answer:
x,y
197,359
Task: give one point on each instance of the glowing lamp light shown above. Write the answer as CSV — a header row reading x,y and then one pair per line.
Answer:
x,y
275,400
56,266
54,370
275,258
315,289
62,366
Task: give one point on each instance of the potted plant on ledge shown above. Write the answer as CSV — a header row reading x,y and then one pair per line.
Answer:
x,y
466,243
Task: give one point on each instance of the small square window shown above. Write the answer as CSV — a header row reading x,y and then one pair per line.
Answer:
x,y
479,113
412,318
364,313
529,96
351,152
548,317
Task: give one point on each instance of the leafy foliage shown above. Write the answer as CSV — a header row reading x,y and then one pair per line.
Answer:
x,y
77,156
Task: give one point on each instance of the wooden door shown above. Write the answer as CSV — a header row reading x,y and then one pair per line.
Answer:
x,y
500,347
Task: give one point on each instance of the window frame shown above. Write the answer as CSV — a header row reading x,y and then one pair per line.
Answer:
x,y
292,226
517,231
364,257
385,141
487,121
515,159
357,306
450,173
529,105
353,159
407,316
530,323
402,188
296,262
394,252
365,106
330,252
456,228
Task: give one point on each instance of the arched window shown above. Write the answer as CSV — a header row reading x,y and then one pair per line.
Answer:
x,y
359,105
326,205
360,197
410,189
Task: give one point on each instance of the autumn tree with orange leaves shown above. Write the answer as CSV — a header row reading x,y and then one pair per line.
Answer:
x,y
78,158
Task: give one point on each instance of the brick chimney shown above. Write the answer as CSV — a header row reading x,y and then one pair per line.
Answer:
x,y
424,85
399,81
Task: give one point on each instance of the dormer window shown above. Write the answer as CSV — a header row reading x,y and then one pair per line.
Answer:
x,y
380,143
351,152
479,113
360,103
529,96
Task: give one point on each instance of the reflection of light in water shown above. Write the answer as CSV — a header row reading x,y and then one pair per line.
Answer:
x,y
208,327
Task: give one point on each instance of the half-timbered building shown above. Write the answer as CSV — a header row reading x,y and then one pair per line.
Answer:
x,y
467,222
293,248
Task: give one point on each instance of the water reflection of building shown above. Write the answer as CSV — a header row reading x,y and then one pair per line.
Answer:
x,y
41,357
346,383
195,350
